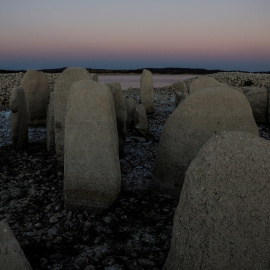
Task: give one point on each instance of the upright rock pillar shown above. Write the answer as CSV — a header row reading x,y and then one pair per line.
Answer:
x,y
37,93
222,220
147,91
61,91
92,177
18,118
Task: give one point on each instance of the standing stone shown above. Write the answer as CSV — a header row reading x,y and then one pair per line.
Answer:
x,y
141,121
18,118
180,97
222,220
94,77
204,82
92,177
268,104
201,115
147,91
61,91
121,114
258,100
37,93
50,135
11,254
131,110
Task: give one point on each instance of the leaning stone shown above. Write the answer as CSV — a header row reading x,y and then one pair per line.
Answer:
x,y
18,118
94,77
222,218
204,82
50,135
147,91
180,97
141,122
268,104
61,91
201,115
131,110
92,178
258,100
37,93
11,254
120,112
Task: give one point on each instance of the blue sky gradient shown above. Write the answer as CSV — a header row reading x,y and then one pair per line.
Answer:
x,y
228,35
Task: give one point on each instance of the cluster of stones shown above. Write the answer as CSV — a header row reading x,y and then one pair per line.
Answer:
x,y
83,118
240,79
7,83
210,155
258,97
86,124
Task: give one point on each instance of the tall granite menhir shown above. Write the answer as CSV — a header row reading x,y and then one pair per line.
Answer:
x,y
37,94
18,118
92,177
147,91
222,220
61,91
120,112
192,123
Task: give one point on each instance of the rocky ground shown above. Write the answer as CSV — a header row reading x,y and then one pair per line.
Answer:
x,y
133,234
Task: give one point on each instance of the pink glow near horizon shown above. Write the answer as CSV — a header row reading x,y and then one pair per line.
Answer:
x,y
159,33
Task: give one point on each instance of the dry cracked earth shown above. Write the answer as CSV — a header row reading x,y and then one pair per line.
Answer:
x,y
134,233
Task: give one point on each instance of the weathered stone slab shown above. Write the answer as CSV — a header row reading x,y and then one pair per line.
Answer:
x,y
61,91
258,100
120,112
204,82
50,134
37,94
180,97
92,177
199,116
147,91
141,121
222,219
94,77
18,118
131,110
11,254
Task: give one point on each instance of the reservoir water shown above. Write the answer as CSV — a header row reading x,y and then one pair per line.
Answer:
x,y
133,80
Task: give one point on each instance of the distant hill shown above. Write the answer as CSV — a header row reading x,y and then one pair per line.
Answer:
x,y
167,70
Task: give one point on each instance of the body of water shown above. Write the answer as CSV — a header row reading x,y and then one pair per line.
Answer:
x,y
133,81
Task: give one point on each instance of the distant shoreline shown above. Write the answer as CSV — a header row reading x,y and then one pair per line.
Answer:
x,y
160,71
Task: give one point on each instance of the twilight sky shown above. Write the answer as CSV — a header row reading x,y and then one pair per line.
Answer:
x,y
121,34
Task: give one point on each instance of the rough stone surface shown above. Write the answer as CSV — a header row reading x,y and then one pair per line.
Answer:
x,y
120,112
180,97
11,254
201,115
131,110
92,178
18,118
94,77
268,104
141,122
50,134
258,100
203,82
138,225
61,92
222,218
147,91
37,94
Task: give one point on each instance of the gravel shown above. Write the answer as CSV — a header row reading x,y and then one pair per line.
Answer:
x,y
134,233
